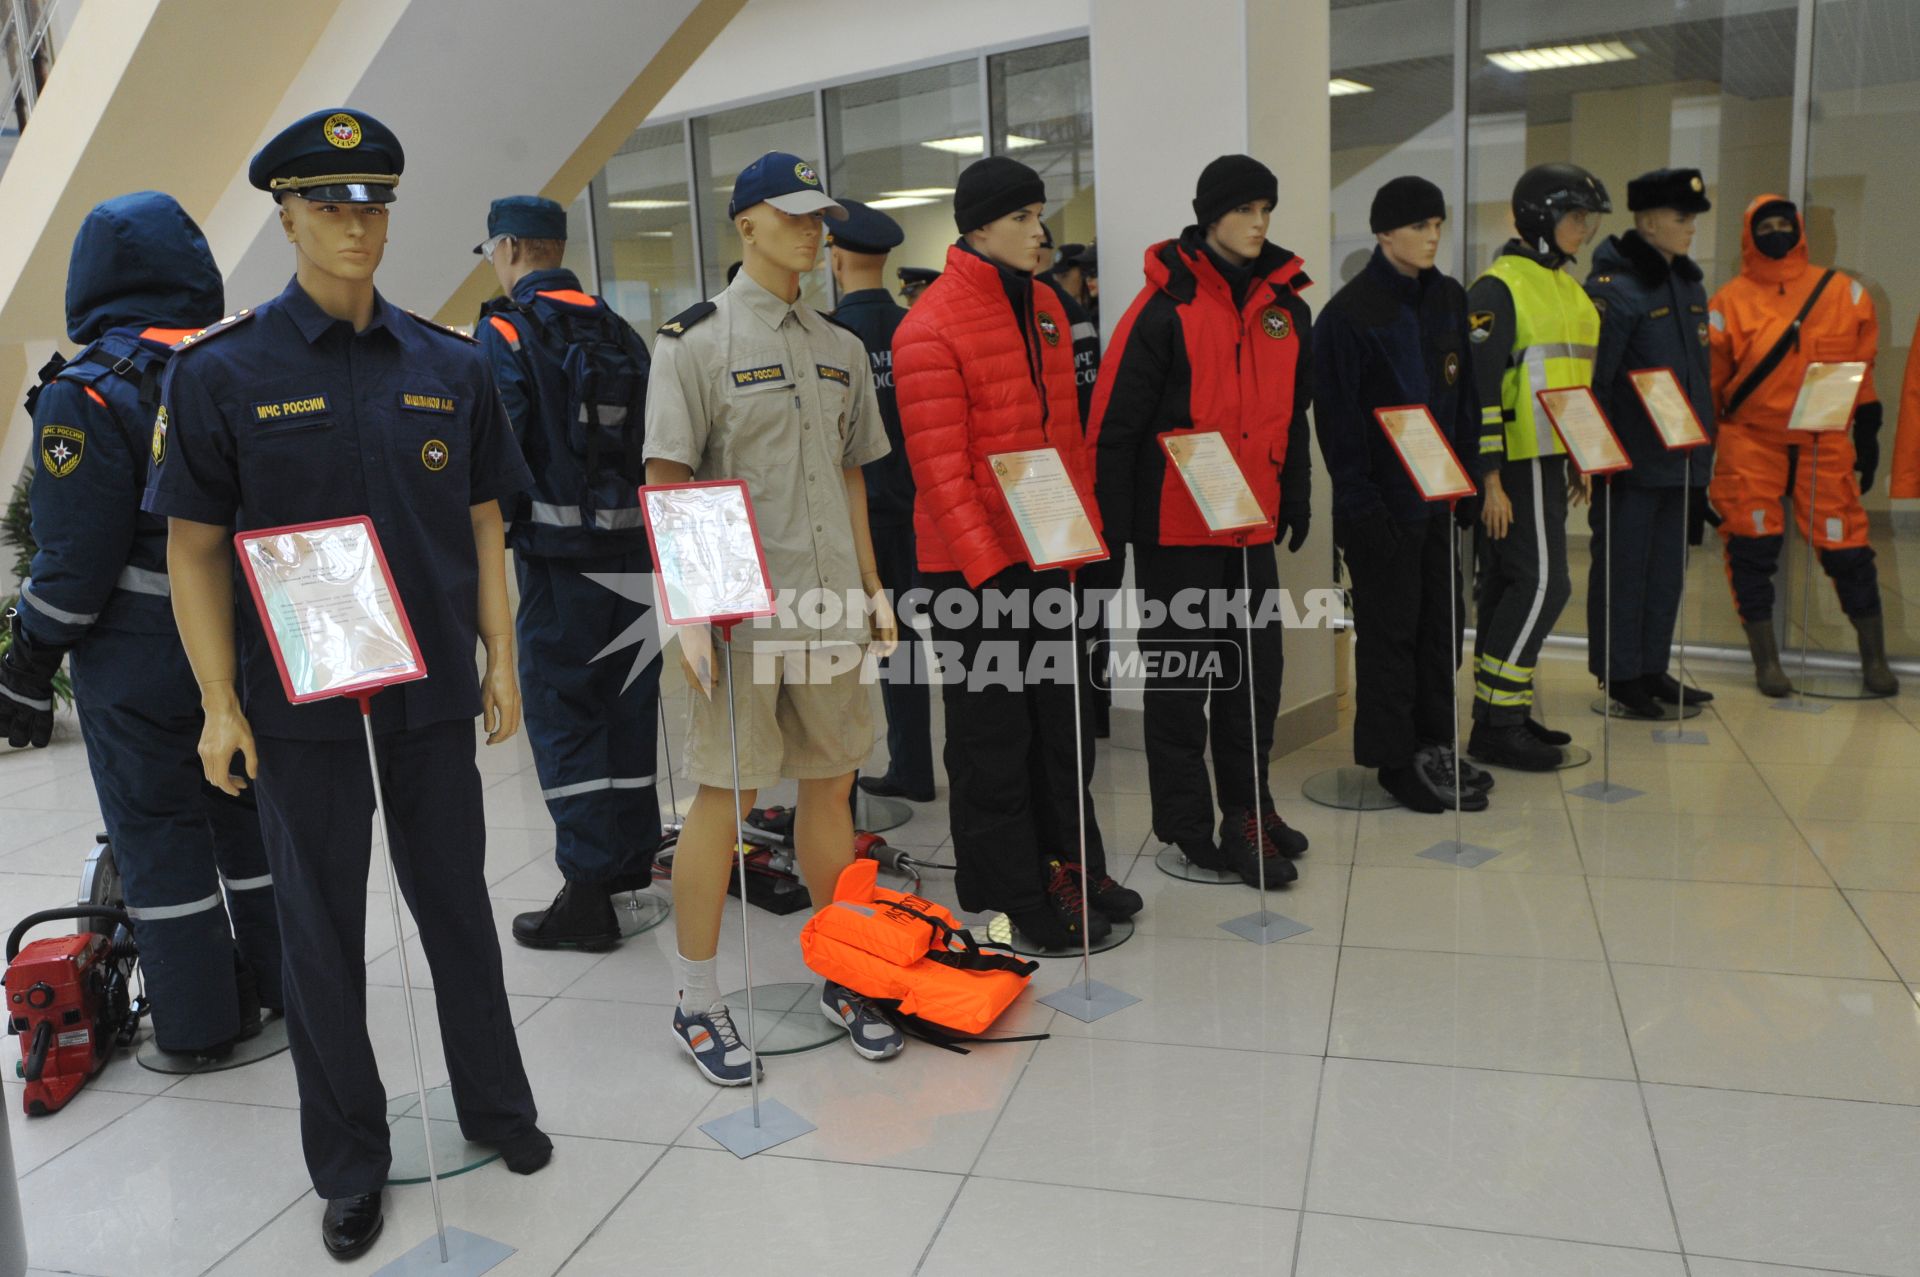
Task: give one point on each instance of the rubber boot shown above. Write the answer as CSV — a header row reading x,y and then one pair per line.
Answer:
x,y
1873,655
1767,674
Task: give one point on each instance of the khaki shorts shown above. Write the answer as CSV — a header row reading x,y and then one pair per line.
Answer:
x,y
799,717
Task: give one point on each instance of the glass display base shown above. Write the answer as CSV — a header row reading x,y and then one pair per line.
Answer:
x,y
875,814
1173,862
1835,685
1000,930
640,911
269,1042
453,1153
786,1018
1348,789
1671,715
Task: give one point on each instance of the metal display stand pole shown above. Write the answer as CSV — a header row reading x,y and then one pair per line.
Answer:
x,y
765,1125
1458,852
1088,1000
1678,734
1605,790
666,752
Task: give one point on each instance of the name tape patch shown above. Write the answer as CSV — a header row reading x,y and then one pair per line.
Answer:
x,y
289,409
829,373
427,403
759,376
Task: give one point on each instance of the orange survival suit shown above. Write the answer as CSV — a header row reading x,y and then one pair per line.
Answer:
x,y
1757,458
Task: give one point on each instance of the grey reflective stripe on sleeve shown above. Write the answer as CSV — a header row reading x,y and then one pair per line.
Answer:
x,y
248,884
160,913
144,581
611,414
1545,442
594,786
53,613
619,520
1084,330
1555,350
28,701
558,516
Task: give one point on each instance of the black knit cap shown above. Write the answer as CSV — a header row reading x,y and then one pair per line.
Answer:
x,y
989,189
1681,189
1229,182
1403,202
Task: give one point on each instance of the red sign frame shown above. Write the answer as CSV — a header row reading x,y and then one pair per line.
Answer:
x,y
1379,416
663,595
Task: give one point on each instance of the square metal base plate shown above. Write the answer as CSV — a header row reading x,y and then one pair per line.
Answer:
x,y
1089,1000
1601,792
1799,705
1464,855
738,1135
1678,736
468,1255
1265,927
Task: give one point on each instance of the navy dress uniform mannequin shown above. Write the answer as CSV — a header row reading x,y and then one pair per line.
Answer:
x,y
859,247
190,856
325,402
573,378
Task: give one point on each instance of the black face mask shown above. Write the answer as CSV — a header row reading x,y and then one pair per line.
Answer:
x,y
1776,244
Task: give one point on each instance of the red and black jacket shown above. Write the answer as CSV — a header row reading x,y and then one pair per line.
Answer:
x,y
1187,358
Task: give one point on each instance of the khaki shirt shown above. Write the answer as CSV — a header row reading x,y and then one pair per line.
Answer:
x,y
774,394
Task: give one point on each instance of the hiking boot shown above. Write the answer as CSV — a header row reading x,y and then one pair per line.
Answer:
x,y
1069,905
580,917
1542,733
1203,853
873,1036
1433,767
620,884
1292,843
1874,670
1512,746
1633,699
1666,687
1407,789
1767,674
1108,896
715,1045
1253,855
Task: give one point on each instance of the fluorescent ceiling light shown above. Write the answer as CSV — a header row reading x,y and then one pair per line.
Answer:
x,y
1340,88
974,144
1558,57
651,235
645,205
901,201
920,192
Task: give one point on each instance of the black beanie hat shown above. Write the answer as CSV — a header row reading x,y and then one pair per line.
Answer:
x,y
1229,182
1403,202
991,188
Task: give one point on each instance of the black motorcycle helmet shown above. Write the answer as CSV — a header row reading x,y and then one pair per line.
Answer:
x,y
1547,192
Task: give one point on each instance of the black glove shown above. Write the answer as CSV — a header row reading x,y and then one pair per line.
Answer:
x,y
1866,443
26,688
1699,514
1466,512
1295,521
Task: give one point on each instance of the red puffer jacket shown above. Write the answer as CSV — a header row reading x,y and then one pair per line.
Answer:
x,y
973,379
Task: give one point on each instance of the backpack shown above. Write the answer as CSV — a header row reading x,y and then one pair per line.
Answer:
x,y
603,368
913,960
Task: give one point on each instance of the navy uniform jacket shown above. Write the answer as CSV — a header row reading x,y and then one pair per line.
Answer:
x,y
872,315
1652,315
286,415
526,360
99,559
1086,346
1384,341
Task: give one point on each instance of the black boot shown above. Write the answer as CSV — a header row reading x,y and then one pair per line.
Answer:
x,y
1253,855
1544,734
1203,853
1513,746
1634,699
580,917
1666,687
1873,655
351,1224
1767,674
1064,896
1407,789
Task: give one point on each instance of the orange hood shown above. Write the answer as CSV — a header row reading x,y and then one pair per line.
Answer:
x,y
1757,265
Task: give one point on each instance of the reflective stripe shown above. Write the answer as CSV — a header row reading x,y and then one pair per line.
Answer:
x,y
248,884
1492,697
569,516
43,706
1540,566
1083,330
594,786
611,414
559,516
160,913
1492,443
619,520
1560,350
53,613
1490,415
1500,669
1545,442
1759,523
145,581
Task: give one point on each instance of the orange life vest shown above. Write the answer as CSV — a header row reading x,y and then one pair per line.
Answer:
x,y
904,949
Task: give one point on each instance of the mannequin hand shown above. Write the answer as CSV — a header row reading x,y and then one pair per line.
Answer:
x,y
1298,527
1579,489
696,657
500,696
886,626
1496,511
224,733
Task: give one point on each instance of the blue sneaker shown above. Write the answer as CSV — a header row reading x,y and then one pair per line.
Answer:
x,y
715,1045
872,1035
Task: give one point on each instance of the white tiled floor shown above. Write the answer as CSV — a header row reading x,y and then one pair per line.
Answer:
x,y
1675,1036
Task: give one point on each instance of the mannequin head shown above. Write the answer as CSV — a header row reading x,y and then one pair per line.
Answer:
x,y
1575,228
1241,232
1667,229
1013,240
853,271
1411,249
342,242
777,248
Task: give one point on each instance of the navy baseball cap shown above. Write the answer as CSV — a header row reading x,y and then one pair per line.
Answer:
x,y
336,155
866,230
525,217
785,181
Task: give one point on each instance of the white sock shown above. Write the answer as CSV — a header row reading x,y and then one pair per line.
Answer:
x,y
699,982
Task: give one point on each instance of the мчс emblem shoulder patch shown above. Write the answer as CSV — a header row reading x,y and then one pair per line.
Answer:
x,y
160,435
1048,326
61,448
1275,323
433,455
1451,367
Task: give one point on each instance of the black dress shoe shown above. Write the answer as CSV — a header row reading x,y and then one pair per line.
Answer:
x,y
1666,688
580,917
886,787
1544,734
351,1224
1513,746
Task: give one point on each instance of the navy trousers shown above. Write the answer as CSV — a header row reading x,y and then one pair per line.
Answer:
x,y
592,719
1649,560
904,690
316,809
190,857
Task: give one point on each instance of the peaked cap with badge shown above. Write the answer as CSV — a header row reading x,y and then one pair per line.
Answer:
x,y
335,155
